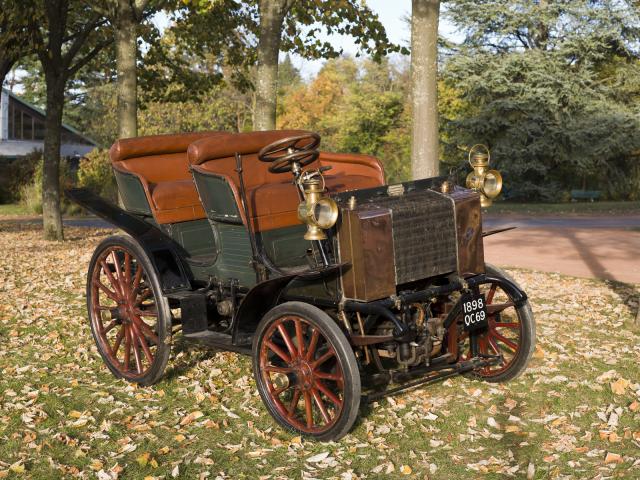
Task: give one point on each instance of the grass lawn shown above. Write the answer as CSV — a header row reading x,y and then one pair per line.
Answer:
x,y
13,209
575,413
574,208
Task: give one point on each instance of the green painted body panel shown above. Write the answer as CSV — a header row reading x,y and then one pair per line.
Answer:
x,y
132,193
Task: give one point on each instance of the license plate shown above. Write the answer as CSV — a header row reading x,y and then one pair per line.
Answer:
x,y
474,312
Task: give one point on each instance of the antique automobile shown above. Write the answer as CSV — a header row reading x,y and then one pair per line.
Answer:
x,y
341,288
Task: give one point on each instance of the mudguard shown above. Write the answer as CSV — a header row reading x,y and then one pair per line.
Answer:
x,y
164,252
258,301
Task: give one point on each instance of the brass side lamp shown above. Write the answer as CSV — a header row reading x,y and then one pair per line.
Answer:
x,y
483,180
318,212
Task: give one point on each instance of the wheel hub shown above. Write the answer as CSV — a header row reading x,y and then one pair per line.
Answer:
x,y
304,374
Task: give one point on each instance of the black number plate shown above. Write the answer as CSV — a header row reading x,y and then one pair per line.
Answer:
x,y
474,312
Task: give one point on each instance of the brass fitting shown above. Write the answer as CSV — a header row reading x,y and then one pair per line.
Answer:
x,y
317,211
483,180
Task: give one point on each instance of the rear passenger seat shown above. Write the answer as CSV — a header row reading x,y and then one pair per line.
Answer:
x,y
160,163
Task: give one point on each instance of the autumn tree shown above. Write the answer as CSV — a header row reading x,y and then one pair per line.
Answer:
x,y
424,88
67,37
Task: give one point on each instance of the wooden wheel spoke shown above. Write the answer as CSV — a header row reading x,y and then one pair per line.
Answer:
x,y
109,327
276,392
119,337
513,325
293,351
146,329
509,343
127,266
127,347
136,279
494,345
491,293
299,337
136,349
275,369
294,402
329,354
145,313
308,409
313,343
494,308
329,376
120,277
278,351
112,295
143,343
321,406
329,394
112,280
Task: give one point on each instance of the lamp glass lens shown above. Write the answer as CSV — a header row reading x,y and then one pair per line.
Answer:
x,y
491,185
324,213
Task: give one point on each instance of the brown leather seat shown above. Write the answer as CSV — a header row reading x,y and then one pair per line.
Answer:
x,y
160,163
272,198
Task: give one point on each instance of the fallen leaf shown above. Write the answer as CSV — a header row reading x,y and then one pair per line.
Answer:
x,y
612,458
619,386
405,470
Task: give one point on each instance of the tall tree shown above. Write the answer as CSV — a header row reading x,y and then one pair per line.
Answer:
x,y
424,88
67,38
125,16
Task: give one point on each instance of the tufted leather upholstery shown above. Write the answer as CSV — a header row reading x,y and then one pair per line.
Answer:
x,y
161,162
272,198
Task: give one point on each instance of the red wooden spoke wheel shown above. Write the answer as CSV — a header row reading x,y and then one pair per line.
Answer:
x,y
306,371
510,333
130,319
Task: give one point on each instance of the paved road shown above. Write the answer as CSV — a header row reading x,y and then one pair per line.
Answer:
x,y
597,246
603,247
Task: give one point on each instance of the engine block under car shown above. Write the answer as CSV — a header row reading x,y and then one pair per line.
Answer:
x,y
394,236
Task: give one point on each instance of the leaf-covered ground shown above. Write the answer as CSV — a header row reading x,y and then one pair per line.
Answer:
x,y
574,414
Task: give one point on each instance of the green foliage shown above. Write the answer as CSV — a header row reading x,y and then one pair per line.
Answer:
x,y
96,174
552,88
19,173
357,108
31,191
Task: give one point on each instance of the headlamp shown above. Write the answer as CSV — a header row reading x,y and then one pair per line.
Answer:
x,y
318,212
483,180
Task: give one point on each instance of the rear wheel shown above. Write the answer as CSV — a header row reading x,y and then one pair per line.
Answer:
x,y
306,371
511,333
130,318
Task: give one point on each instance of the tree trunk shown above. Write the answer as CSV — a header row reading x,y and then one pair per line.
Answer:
x,y
126,56
51,216
5,66
424,84
272,13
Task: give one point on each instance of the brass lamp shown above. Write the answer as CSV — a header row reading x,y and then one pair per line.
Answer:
x,y
483,180
318,212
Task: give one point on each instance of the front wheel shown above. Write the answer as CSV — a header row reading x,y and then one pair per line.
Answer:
x,y
306,371
511,333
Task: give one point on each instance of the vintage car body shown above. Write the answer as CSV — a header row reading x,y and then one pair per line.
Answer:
x,y
374,302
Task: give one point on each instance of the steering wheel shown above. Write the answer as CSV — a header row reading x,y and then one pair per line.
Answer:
x,y
282,154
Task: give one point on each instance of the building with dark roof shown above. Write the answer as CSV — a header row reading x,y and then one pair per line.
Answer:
x,y
22,128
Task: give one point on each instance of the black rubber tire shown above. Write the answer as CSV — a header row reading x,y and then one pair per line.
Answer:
x,y
528,345
163,326
344,351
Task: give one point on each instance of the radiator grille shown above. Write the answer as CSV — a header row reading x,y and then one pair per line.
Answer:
x,y
424,234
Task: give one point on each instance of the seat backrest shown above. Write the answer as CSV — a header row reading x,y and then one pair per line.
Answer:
x,y
217,154
158,158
